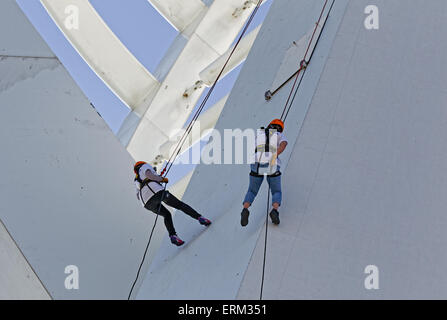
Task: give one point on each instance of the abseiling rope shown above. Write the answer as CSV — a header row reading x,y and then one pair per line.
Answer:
x,y
181,142
265,243
305,62
147,246
303,67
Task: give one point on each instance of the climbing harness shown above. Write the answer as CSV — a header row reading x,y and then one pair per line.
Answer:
x,y
143,183
265,150
264,153
262,150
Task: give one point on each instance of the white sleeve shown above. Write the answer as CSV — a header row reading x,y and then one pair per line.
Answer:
x,y
152,176
147,171
282,138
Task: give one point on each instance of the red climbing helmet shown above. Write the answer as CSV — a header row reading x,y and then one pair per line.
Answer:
x,y
277,124
138,165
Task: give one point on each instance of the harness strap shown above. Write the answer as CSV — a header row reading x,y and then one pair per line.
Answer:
x,y
143,183
266,149
267,140
256,174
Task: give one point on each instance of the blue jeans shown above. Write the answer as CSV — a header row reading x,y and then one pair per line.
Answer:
x,y
255,184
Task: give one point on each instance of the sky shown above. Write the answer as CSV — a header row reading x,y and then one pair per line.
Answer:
x,y
136,23
142,30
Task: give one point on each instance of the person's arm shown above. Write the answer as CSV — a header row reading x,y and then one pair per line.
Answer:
x,y
155,177
282,147
152,176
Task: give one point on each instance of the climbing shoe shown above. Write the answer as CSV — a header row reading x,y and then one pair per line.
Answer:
x,y
274,215
244,217
176,240
204,221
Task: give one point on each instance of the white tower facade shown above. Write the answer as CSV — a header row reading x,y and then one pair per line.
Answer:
x,y
364,177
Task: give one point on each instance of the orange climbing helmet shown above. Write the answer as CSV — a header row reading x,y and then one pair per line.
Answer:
x,y
138,165
277,124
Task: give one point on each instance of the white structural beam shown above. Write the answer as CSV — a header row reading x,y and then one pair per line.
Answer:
x,y
180,13
209,38
210,73
102,50
206,122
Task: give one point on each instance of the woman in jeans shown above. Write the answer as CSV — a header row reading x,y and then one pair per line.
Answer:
x,y
272,143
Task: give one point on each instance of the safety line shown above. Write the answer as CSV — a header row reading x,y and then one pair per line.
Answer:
x,y
303,67
284,117
148,243
304,61
310,58
265,242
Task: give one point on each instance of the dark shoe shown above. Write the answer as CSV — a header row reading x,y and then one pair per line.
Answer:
x,y
176,240
204,221
244,217
274,215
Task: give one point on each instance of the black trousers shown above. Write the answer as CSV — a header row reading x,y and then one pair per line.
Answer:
x,y
154,205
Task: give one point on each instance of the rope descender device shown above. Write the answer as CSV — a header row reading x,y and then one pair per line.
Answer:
x,y
304,64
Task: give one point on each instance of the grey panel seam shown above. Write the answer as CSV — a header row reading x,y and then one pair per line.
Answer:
x,y
2,56
23,255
